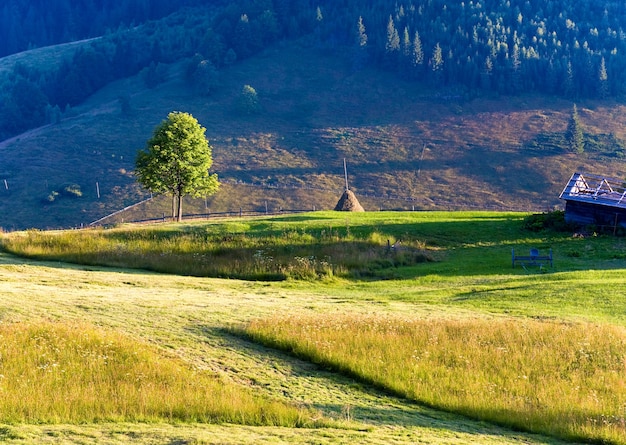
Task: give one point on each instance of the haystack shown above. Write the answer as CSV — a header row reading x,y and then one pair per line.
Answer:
x,y
349,203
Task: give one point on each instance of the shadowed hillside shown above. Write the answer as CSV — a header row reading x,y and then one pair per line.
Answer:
x,y
407,146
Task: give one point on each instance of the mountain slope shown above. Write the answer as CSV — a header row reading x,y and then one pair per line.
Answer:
x,y
401,140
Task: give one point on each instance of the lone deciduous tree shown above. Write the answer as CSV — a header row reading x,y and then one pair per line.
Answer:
x,y
177,160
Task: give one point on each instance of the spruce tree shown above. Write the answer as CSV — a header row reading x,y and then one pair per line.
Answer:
x,y
361,35
574,133
568,87
360,51
418,51
392,46
603,86
436,64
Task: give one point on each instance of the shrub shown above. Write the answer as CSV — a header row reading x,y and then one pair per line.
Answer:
x,y
72,191
52,196
554,220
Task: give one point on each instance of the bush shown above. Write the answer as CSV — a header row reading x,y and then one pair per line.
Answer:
x,y
69,191
554,220
52,196
72,191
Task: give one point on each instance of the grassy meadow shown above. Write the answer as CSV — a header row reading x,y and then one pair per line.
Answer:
x,y
395,327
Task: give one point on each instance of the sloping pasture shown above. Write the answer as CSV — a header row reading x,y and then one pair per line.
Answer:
x,y
468,279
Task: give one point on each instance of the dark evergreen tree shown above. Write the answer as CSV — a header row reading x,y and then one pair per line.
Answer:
x,y
417,58
516,70
205,78
392,45
603,80
568,85
249,100
360,50
436,65
574,133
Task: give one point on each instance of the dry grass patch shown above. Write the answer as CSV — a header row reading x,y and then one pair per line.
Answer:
x,y
561,379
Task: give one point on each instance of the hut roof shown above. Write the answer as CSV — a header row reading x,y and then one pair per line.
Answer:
x,y
349,203
595,189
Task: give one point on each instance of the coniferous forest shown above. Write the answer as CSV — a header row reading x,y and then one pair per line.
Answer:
x,y
573,49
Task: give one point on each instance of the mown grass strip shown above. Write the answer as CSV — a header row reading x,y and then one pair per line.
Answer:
x,y
77,373
561,379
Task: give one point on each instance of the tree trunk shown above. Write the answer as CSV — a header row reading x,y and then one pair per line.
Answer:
x,y
173,207
180,207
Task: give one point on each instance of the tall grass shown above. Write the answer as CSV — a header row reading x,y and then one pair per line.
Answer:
x,y
224,250
566,380
77,373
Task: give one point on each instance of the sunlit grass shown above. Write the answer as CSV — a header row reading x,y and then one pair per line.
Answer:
x,y
77,373
248,250
555,378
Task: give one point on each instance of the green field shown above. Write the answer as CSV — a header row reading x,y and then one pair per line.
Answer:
x,y
352,298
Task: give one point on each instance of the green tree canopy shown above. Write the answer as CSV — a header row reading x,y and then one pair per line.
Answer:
x,y
177,160
249,100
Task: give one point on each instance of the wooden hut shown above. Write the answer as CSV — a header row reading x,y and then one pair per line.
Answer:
x,y
595,200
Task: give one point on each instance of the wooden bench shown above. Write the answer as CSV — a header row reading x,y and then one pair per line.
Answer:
x,y
534,259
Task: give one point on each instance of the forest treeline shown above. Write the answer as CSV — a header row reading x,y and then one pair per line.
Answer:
x,y
570,48
26,24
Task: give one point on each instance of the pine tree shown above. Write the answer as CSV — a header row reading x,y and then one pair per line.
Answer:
x,y
406,64
516,66
603,86
417,57
436,64
574,133
418,51
361,35
568,87
406,43
360,52
393,38
487,74
318,14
